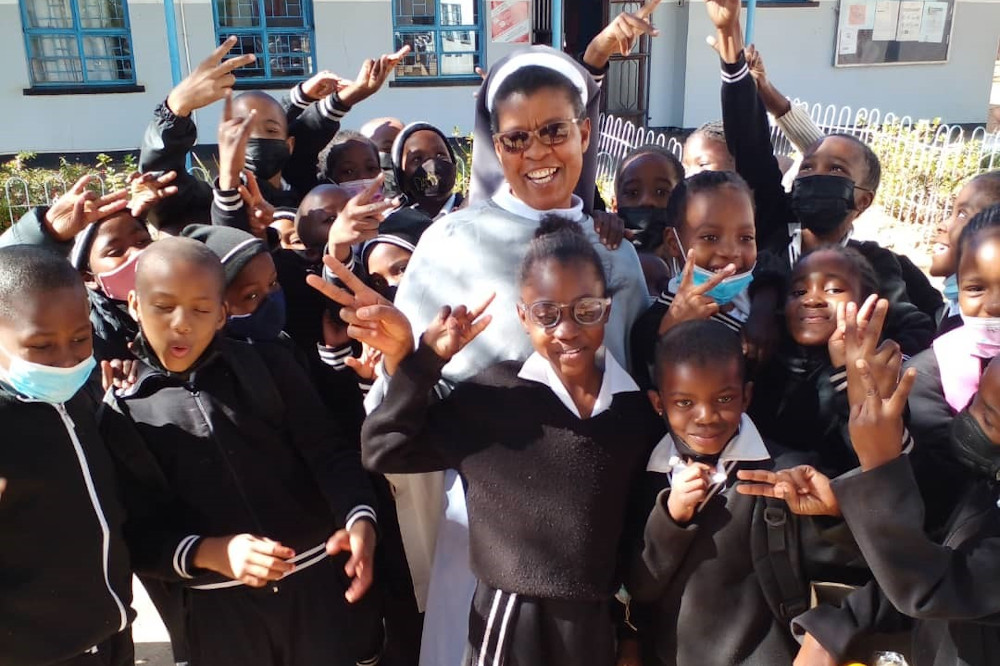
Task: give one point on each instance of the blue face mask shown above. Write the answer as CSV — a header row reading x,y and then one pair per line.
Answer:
x,y
46,383
724,292
265,323
951,288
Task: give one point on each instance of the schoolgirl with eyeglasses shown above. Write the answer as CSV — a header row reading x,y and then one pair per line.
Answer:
x,y
549,450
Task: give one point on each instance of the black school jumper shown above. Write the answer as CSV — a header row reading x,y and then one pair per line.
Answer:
x,y
65,581
546,492
242,444
948,590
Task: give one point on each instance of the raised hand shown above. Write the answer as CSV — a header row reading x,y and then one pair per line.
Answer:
x,y
234,133
371,77
756,64
454,328
621,35
359,220
859,331
323,84
692,301
147,189
688,489
79,207
876,425
250,559
370,317
359,541
806,490
724,14
728,41
365,366
260,213
120,374
209,81
609,228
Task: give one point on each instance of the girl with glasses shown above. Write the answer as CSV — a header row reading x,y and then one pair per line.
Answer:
x,y
548,449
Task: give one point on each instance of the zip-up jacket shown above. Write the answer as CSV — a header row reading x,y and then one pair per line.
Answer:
x,y
241,443
65,582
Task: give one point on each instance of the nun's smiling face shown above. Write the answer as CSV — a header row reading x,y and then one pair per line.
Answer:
x,y
543,173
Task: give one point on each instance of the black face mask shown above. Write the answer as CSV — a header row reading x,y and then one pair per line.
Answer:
x,y
822,202
389,292
434,179
389,186
972,448
267,157
648,221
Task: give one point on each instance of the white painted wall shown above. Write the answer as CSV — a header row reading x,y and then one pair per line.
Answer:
x,y
797,46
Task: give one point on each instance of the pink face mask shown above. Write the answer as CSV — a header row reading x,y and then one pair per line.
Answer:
x,y
118,283
356,187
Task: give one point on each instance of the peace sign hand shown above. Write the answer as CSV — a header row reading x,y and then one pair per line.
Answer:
x,y
371,77
234,133
260,213
806,490
453,329
79,207
621,35
876,424
859,331
692,301
209,81
370,317
359,220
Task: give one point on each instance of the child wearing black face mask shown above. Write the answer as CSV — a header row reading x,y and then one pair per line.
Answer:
x,y
837,182
425,169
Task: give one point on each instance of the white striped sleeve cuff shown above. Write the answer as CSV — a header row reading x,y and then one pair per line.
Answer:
x,y
335,357
839,379
738,75
331,108
183,554
299,98
359,512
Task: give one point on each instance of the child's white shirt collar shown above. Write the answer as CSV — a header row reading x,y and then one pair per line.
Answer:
x,y
615,381
506,200
746,446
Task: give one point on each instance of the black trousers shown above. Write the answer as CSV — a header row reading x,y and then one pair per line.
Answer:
x,y
508,629
168,599
303,620
115,651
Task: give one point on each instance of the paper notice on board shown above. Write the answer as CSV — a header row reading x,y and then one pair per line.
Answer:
x,y
886,17
911,14
932,23
510,21
848,41
860,14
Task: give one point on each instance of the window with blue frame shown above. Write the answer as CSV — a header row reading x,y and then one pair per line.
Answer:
x,y
74,43
445,38
279,32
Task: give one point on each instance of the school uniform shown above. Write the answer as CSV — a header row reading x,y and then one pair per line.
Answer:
x,y
778,229
547,494
461,259
65,581
947,590
704,593
241,444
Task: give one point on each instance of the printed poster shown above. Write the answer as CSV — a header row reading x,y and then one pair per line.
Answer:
x,y
848,41
932,23
911,14
860,15
886,17
510,21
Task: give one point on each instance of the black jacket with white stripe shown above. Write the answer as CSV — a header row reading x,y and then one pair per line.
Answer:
x,y
241,443
65,583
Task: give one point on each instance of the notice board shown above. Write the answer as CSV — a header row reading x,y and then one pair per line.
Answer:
x,y
893,32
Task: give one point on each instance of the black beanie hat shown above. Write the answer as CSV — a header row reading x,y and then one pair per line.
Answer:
x,y
403,229
234,247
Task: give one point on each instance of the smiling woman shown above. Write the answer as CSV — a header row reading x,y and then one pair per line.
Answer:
x,y
537,97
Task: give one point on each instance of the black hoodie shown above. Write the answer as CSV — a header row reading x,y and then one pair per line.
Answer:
x,y
65,583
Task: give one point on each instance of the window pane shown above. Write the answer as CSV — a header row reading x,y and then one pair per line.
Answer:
x,y
284,14
458,40
101,14
415,12
465,63
49,13
422,60
291,55
248,44
459,13
55,60
238,13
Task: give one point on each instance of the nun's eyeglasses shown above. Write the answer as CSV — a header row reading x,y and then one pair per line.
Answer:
x,y
552,134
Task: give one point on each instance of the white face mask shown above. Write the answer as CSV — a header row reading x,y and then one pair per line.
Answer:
x,y
985,335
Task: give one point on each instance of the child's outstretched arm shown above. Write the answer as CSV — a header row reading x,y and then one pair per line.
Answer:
x,y
806,490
